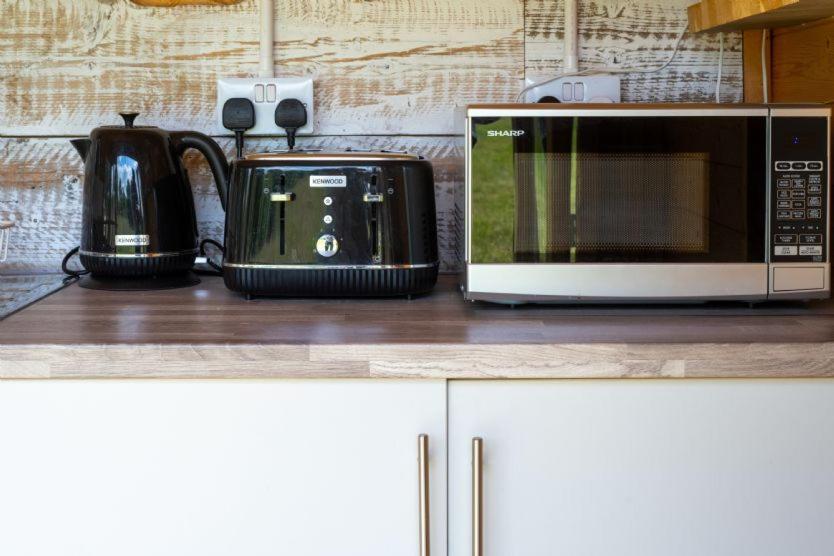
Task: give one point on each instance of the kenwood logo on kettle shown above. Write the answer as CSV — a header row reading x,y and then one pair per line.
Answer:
x,y
328,181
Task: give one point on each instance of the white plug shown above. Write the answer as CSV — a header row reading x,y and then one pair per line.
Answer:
x,y
265,94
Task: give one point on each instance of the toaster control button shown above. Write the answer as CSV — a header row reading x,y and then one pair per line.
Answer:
x,y
372,198
327,219
327,245
328,201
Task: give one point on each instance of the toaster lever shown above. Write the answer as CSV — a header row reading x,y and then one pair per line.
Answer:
x,y
281,197
372,198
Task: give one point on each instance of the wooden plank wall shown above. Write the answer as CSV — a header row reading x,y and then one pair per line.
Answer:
x,y
389,74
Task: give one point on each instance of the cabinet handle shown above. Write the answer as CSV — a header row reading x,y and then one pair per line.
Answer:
x,y
423,481
477,497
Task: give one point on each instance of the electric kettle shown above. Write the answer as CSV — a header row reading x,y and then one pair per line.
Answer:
x,y
138,217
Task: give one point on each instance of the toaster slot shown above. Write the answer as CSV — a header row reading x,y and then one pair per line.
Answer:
x,y
373,198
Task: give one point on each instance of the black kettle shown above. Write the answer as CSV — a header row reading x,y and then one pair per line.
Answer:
x,y
138,217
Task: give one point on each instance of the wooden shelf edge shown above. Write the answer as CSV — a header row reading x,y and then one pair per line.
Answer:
x,y
721,15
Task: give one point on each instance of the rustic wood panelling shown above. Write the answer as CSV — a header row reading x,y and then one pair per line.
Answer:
x,y
636,34
389,72
381,67
41,179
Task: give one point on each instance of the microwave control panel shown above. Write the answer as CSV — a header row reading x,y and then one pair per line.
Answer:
x,y
799,189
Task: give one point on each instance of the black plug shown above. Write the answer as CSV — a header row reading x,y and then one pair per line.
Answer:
x,y
238,116
290,115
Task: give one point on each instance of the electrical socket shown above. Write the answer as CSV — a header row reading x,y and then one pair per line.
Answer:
x,y
585,88
265,99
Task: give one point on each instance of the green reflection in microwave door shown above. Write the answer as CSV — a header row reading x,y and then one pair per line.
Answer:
x,y
493,194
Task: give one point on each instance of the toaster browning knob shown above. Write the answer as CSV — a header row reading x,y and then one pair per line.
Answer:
x,y
327,245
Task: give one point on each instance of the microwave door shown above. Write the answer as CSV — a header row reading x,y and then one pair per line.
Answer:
x,y
619,190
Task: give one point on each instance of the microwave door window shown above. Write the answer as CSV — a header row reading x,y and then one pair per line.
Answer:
x,y
636,189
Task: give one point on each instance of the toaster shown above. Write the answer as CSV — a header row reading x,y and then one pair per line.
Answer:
x,y
308,223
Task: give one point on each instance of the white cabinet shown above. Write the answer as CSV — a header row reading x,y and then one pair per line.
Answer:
x,y
204,468
645,468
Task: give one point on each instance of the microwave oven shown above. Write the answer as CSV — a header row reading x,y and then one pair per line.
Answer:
x,y
621,203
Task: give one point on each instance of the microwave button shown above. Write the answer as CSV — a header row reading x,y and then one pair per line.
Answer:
x,y
815,178
784,238
798,183
783,215
783,183
798,204
814,188
784,250
783,194
810,238
798,166
810,250
815,165
814,201
783,165
783,204
798,215
798,194
815,214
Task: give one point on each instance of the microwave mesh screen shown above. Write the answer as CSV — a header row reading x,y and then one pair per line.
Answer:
x,y
601,202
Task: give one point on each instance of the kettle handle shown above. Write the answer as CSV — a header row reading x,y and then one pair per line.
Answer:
x,y
184,140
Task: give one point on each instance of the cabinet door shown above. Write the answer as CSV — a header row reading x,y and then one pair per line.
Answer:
x,y
645,467
203,468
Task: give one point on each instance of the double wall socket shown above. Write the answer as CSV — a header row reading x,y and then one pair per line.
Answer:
x,y
265,94
586,88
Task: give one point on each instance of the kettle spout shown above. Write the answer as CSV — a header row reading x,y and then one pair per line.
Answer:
x,y
82,146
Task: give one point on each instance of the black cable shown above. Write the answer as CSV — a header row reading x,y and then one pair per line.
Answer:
x,y
69,271
218,269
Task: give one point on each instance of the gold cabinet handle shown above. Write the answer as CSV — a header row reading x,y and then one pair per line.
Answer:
x,y
281,197
477,497
423,481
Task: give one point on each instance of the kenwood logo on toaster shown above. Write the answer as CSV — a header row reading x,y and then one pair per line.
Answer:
x,y
505,132
328,181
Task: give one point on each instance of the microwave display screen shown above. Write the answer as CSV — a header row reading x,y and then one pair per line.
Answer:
x,y
618,189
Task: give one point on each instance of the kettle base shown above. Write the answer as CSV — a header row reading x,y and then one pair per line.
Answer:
x,y
145,283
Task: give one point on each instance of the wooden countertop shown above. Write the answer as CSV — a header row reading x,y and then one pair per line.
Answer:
x,y
210,332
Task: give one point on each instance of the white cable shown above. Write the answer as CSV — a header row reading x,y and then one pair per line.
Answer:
x,y
571,44
597,71
266,65
765,92
720,68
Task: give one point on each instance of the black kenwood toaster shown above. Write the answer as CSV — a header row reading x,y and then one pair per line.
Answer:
x,y
307,223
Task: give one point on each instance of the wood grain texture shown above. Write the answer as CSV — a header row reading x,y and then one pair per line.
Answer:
x,y
41,190
383,67
753,85
398,67
635,34
208,331
723,15
174,3
803,63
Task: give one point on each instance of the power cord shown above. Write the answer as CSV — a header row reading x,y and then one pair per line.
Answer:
x,y
720,68
218,270
72,274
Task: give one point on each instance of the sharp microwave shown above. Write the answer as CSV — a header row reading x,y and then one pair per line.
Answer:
x,y
646,202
